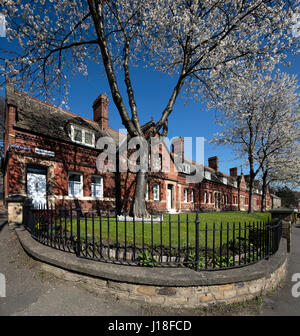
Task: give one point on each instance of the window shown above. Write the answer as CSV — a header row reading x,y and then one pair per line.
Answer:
x,y
205,197
97,186
77,135
235,184
75,184
33,169
185,195
210,197
82,136
88,138
192,196
156,192
186,168
147,193
207,175
158,162
225,180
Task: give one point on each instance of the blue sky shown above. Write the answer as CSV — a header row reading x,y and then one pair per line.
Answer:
x,y
152,91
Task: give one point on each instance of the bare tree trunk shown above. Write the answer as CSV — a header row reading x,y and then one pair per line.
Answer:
x,y
264,191
138,207
251,182
250,206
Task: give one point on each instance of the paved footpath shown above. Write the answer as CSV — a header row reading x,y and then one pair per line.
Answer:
x,y
282,302
31,291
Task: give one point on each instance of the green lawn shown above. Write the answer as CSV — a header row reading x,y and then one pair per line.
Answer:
x,y
166,233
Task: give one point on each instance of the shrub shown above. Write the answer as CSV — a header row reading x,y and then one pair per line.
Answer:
x,y
146,259
223,261
191,261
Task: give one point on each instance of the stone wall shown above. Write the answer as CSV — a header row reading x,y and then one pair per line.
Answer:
x,y
179,297
176,287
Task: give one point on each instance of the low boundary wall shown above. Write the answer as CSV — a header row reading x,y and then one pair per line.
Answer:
x,y
166,286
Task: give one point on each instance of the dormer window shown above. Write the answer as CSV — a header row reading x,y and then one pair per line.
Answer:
x,y
186,168
225,180
207,175
77,135
82,136
89,138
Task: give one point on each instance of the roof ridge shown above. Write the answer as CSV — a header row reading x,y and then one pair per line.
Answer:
x,y
61,109
116,131
55,107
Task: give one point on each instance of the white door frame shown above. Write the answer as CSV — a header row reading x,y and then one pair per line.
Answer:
x,y
37,187
169,196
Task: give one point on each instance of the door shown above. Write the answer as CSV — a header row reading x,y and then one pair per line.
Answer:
x,y
37,185
242,204
169,198
217,201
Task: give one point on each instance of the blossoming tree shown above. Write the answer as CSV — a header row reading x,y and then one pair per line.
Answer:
x,y
260,116
193,40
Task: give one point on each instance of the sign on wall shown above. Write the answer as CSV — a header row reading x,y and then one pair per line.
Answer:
x,y
44,152
19,147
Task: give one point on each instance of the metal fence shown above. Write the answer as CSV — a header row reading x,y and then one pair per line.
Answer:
x,y
162,240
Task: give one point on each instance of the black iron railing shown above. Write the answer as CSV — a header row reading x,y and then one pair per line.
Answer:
x,y
162,240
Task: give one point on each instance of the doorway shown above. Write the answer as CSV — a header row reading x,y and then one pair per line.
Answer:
x,y
170,197
217,201
37,185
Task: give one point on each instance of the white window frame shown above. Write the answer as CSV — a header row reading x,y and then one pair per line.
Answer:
x,y
83,131
95,184
185,195
156,197
158,163
186,168
192,196
80,183
147,192
224,180
209,197
207,175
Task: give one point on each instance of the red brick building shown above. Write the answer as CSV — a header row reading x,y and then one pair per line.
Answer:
x,y
51,154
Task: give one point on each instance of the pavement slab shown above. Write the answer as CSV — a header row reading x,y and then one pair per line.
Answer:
x,y
281,302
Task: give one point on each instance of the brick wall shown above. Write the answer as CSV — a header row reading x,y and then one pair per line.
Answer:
x,y
75,158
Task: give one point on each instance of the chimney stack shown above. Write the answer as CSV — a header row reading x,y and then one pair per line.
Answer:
x,y
178,146
233,172
213,162
100,107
